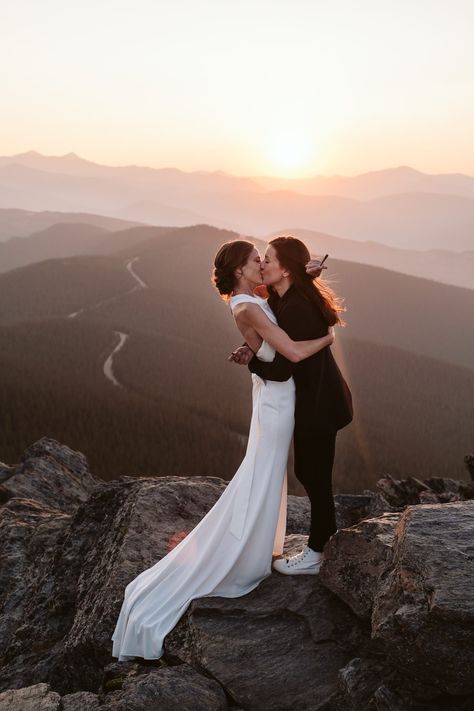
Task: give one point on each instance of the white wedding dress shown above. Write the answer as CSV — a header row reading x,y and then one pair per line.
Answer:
x,y
230,550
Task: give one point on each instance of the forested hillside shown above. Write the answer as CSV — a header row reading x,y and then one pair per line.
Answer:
x,y
182,407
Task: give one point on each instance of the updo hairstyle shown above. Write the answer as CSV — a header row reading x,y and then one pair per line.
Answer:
x,y
230,257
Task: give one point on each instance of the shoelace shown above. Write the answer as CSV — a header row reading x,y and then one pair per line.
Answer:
x,y
296,558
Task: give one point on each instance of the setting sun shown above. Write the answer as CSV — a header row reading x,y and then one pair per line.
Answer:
x,y
291,154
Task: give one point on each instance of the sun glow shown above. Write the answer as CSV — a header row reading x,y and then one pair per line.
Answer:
x,y
291,154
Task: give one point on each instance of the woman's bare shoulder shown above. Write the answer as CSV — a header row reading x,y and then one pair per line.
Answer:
x,y
246,308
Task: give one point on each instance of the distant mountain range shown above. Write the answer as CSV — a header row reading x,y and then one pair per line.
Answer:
x,y
377,183
398,207
73,234
442,265
406,351
22,223
69,239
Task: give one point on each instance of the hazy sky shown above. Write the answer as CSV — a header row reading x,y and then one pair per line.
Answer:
x,y
284,87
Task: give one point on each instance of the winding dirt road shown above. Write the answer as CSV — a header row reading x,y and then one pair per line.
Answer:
x,y
139,285
108,369
108,364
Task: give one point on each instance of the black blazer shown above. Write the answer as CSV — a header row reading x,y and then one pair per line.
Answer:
x,y
323,398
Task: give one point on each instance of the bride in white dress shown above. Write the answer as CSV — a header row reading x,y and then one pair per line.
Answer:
x,y
230,551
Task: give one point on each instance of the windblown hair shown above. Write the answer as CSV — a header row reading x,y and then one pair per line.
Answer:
x,y
293,256
230,257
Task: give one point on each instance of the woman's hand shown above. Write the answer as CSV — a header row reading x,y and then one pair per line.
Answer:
x,y
314,268
242,355
331,335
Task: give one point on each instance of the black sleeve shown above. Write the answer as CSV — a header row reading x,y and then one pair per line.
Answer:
x,y
279,369
298,318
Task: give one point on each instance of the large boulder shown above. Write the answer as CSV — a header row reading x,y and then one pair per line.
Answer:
x,y
399,493
424,607
81,701
51,473
370,683
355,636
29,531
411,575
38,697
63,634
355,558
351,508
298,516
279,647
173,688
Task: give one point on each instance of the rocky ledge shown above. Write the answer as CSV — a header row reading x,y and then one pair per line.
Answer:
x,y
387,625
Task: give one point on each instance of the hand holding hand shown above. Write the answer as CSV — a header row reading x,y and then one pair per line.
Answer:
x,y
314,267
242,355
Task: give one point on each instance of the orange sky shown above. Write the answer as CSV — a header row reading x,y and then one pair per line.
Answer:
x,y
283,87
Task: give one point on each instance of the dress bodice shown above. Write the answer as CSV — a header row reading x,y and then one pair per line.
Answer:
x,y
266,352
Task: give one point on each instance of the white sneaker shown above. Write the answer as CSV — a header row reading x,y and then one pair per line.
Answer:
x,y
307,562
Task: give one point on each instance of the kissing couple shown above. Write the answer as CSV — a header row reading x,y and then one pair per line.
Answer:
x,y
297,391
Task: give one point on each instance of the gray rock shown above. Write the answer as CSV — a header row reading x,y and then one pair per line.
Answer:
x,y
124,527
449,490
279,647
71,543
379,505
351,508
355,558
81,701
31,698
357,682
52,474
469,463
116,673
298,516
28,533
387,700
6,471
399,493
176,688
424,606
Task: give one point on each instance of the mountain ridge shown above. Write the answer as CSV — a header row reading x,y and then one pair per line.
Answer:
x,y
435,215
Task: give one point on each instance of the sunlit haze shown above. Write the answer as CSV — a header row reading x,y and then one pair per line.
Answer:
x,y
282,87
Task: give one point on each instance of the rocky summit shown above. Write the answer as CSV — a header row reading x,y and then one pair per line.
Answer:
x,y
387,625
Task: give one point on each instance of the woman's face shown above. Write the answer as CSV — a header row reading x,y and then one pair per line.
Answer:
x,y
272,271
251,269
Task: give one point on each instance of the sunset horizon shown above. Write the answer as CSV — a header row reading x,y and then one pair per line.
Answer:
x,y
75,155
259,89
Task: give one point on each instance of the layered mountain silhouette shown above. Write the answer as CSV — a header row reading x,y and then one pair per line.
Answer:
x,y
377,183
66,240
439,265
23,223
47,235
401,208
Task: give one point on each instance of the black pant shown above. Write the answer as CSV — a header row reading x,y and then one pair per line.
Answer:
x,y
314,459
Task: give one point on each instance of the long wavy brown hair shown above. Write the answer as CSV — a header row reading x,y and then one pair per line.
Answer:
x,y
293,256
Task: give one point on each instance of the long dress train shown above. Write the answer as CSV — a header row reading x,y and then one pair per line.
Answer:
x,y
229,552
